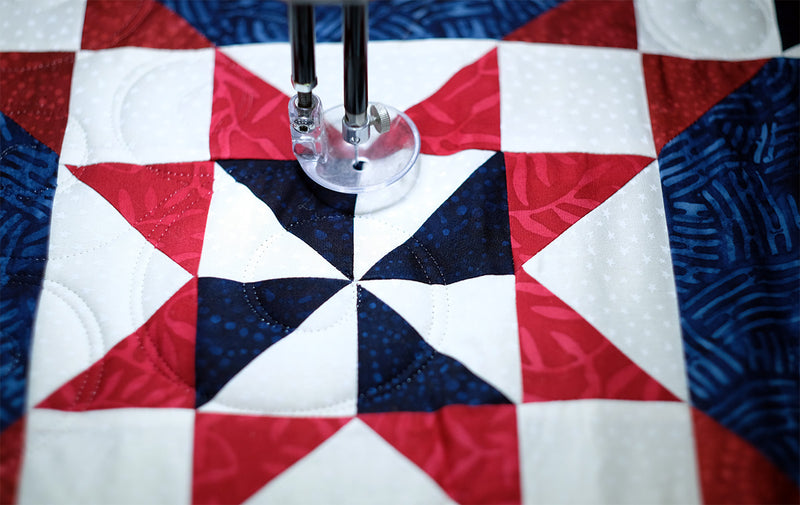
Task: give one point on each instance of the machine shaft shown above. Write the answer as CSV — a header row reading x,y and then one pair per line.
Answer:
x,y
302,39
356,34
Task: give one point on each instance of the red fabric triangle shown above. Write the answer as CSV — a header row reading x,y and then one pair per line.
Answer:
x,y
679,91
605,23
549,192
11,445
167,204
566,358
249,118
733,471
153,367
471,452
464,113
138,23
236,455
35,93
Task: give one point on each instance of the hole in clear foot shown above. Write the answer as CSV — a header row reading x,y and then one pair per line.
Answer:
x,y
359,165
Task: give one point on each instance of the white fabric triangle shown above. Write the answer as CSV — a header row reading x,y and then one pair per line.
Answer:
x,y
395,68
473,321
103,280
378,232
615,269
245,242
354,466
311,372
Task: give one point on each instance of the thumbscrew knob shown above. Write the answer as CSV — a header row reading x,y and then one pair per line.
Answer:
x,y
379,118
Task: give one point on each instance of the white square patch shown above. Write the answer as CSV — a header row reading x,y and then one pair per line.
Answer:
x,y
41,25
599,451
108,456
573,99
135,105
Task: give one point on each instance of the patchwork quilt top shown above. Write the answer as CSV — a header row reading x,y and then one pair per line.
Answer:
x,y
589,295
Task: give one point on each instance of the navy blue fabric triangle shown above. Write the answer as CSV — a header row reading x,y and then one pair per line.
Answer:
x,y
399,371
467,236
28,170
226,22
732,216
321,218
237,321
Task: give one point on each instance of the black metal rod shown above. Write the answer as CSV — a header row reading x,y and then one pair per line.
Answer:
x,y
355,35
302,38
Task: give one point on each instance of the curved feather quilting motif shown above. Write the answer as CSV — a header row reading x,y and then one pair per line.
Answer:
x,y
731,184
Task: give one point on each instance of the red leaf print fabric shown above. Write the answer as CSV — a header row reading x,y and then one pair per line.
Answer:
x,y
547,193
139,23
167,204
35,93
447,126
472,452
249,118
566,358
235,456
153,367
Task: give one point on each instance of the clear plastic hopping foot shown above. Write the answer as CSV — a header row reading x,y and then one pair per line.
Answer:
x,y
358,146
354,160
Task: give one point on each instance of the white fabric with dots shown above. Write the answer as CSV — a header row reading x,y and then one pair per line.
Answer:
x,y
573,99
41,25
135,105
107,456
600,451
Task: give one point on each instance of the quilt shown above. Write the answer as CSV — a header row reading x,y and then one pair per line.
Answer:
x,y
589,295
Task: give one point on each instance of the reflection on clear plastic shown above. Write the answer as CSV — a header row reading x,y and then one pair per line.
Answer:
x,y
379,161
308,131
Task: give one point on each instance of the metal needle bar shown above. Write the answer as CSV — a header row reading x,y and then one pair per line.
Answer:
x,y
302,37
354,19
